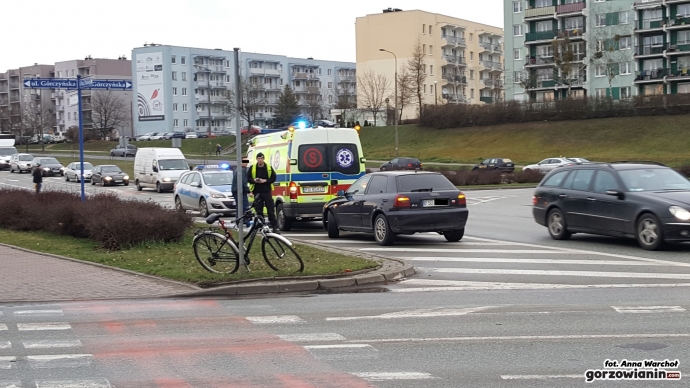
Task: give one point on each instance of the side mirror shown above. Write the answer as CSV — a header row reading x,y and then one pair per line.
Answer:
x,y
155,169
340,193
195,184
615,193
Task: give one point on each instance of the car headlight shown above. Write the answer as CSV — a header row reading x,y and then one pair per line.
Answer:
x,y
166,179
46,168
62,168
217,195
680,213
126,177
108,178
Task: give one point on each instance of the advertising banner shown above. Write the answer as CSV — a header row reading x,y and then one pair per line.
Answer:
x,y
149,80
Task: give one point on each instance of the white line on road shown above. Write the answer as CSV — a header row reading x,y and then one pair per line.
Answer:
x,y
59,360
482,271
43,326
541,377
388,376
10,384
530,338
437,250
264,320
50,344
7,361
484,286
312,337
525,261
37,312
3,326
337,346
648,309
99,383
5,345
420,313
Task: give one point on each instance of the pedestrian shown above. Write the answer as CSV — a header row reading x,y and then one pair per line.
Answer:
x,y
245,187
261,177
38,178
218,149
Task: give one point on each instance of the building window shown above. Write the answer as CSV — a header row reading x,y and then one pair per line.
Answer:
x,y
424,88
185,122
184,76
683,37
623,17
184,91
517,77
176,123
517,6
601,93
431,69
625,42
330,85
182,60
626,92
600,71
174,76
516,54
430,29
172,59
600,20
471,56
471,93
175,107
329,71
517,30
330,99
184,107
174,91
424,48
431,49
624,68
471,74
423,28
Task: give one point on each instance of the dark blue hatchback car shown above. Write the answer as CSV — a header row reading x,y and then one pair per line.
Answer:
x,y
648,202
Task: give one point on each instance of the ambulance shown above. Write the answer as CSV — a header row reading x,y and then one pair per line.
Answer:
x,y
311,165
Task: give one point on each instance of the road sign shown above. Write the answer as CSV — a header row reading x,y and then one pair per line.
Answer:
x,y
111,84
51,83
85,83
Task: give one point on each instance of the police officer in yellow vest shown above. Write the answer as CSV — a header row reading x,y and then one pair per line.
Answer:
x,y
261,177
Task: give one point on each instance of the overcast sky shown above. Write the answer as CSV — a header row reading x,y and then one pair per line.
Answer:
x,y
49,31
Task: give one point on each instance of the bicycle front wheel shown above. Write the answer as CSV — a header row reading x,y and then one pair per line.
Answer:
x,y
280,256
216,253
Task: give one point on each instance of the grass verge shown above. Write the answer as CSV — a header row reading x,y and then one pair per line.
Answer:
x,y
176,261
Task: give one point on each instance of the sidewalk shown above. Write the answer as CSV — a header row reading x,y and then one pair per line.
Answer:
x,y
29,276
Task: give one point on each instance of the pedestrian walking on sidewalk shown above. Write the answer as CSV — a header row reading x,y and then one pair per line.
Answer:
x,y
38,178
218,149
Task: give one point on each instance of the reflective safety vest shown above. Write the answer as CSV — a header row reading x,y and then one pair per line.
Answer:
x,y
268,169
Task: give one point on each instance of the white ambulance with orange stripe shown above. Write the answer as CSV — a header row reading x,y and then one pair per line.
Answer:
x,y
311,165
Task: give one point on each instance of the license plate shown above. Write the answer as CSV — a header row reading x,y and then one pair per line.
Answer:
x,y
314,189
428,202
118,181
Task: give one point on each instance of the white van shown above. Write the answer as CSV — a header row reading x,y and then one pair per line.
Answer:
x,y
159,168
6,149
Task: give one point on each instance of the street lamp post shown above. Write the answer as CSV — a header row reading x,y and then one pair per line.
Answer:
x,y
395,95
435,92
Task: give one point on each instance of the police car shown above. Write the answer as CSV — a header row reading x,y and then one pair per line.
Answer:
x,y
207,189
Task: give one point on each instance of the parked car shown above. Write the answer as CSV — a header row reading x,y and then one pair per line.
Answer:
x,y
253,131
579,160
324,123
207,191
73,171
6,153
190,135
201,135
21,163
131,150
177,135
49,166
109,174
400,202
501,164
147,136
402,164
158,136
548,164
648,202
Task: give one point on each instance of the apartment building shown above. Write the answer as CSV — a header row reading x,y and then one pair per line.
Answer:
x,y
573,48
14,97
462,58
65,101
186,88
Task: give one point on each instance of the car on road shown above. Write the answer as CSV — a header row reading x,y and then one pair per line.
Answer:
x,y
208,190
491,164
49,166
324,124
548,164
73,171
191,135
177,135
21,163
398,202
648,202
201,135
580,160
109,174
6,153
253,131
158,136
131,150
402,164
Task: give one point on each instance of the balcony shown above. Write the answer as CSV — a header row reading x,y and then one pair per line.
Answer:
x,y
455,98
572,32
14,85
679,22
299,75
647,24
570,8
678,48
271,101
657,49
539,60
271,87
651,75
488,82
454,59
4,101
3,89
60,108
14,97
492,65
540,35
543,83
540,12
646,3
454,40
487,100
347,78
456,79
299,89
86,106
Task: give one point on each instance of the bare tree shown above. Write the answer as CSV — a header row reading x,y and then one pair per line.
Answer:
x,y
37,119
345,101
607,57
416,66
108,112
318,106
372,91
407,94
568,61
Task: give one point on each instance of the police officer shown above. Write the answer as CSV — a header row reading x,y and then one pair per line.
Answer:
x,y
261,177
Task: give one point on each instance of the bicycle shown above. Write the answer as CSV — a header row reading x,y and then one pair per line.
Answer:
x,y
218,253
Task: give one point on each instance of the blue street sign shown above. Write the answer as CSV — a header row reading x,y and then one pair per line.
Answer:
x,y
110,84
51,83
85,83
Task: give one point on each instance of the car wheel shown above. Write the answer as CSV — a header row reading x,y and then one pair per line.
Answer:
x,y
284,222
558,228
454,235
649,234
112,154
66,178
203,208
382,231
126,183
139,188
11,170
102,183
333,231
527,170
62,174
93,182
158,187
178,204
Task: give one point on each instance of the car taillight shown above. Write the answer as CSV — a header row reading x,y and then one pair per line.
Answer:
x,y
402,202
535,200
409,165
293,190
462,200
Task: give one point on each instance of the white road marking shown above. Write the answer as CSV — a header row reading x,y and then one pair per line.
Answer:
x,y
50,344
525,261
312,337
37,312
7,361
538,272
3,326
275,319
5,345
99,383
420,313
648,309
59,360
388,376
10,384
43,326
482,286
337,346
531,338
541,377
437,250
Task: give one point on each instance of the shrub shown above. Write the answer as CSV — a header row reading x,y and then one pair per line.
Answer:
x,y
685,170
525,177
113,222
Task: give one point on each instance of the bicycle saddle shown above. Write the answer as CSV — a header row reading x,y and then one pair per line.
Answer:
x,y
213,218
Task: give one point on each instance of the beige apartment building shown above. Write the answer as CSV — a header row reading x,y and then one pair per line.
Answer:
x,y
464,59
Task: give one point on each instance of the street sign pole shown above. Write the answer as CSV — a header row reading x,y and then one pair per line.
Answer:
x,y
81,138
238,170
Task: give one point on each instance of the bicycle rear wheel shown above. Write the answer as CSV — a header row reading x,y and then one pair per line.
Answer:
x,y
216,253
280,256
